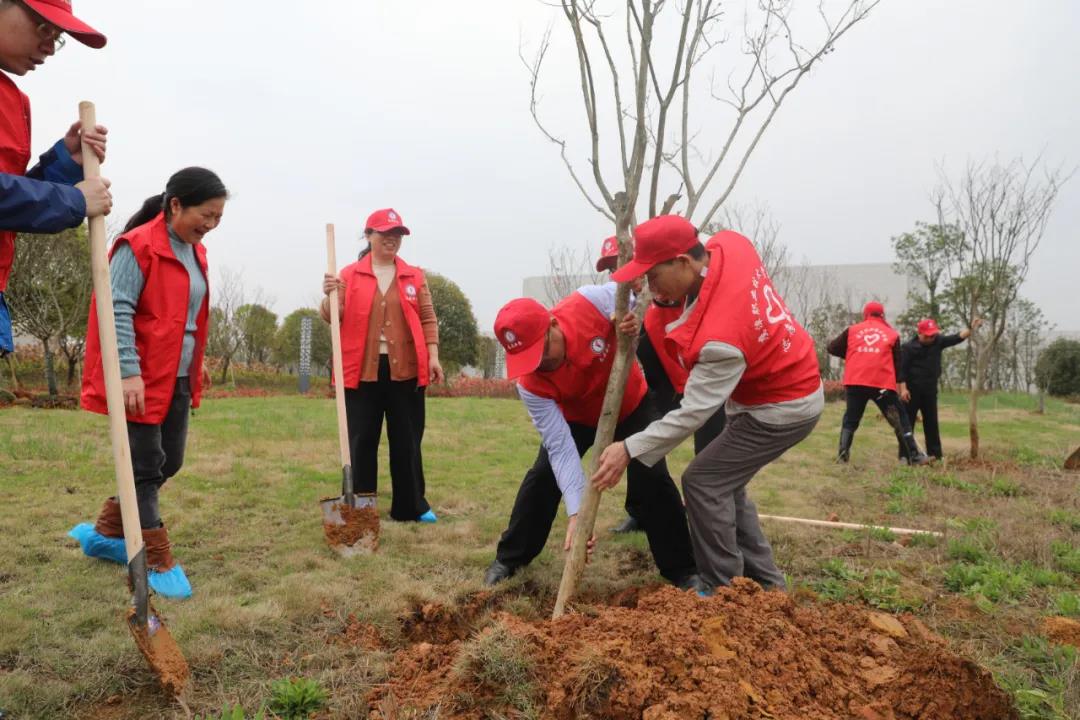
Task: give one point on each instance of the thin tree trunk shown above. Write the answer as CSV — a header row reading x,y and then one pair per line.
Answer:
x,y
50,369
11,367
981,359
225,370
609,418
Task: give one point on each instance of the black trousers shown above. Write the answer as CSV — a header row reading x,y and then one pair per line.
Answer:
x,y
401,402
702,437
888,401
157,452
924,402
662,514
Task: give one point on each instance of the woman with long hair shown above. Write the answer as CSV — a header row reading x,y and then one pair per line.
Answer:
x,y
161,301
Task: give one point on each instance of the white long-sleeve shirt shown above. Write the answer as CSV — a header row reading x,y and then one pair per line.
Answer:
x,y
549,421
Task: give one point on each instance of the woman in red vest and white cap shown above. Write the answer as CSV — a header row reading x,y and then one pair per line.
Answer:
x,y
740,346
390,353
52,196
872,371
161,300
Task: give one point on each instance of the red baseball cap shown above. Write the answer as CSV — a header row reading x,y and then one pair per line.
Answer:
x,y
873,308
385,220
609,255
58,12
655,241
927,326
521,327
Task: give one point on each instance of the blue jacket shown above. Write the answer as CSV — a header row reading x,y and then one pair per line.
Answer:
x,y
44,201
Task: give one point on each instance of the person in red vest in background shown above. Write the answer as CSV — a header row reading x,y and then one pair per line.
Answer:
x,y
872,371
740,346
921,367
664,376
52,196
161,300
389,353
562,360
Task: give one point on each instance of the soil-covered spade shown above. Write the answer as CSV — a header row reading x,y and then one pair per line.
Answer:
x,y
350,521
151,636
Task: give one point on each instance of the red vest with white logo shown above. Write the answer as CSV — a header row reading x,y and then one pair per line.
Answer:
x,y
657,318
360,287
869,359
738,306
160,321
578,385
14,156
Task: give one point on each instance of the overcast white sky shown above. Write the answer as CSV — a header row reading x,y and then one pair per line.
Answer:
x,y
320,112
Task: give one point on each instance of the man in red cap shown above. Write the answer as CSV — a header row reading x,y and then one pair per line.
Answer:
x,y
872,371
562,360
740,346
52,196
921,366
664,376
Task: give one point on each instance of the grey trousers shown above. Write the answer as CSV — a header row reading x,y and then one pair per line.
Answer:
x,y
724,528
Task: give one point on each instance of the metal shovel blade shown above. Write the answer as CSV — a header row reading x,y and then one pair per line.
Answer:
x,y
351,529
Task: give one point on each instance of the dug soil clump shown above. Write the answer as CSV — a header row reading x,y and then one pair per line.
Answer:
x,y
161,651
360,529
744,653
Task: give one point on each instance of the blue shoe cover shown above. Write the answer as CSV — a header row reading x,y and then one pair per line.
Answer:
x,y
96,545
171,583
428,517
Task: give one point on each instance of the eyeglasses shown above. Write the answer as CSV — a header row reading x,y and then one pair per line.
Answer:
x,y
51,34
46,31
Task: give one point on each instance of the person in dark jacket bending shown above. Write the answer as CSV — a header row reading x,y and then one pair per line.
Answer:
x,y
921,365
872,371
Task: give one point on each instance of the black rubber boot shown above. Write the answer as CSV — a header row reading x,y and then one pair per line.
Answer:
x,y
915,456
846,437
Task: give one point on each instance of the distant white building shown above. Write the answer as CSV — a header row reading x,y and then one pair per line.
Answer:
x,y
807,287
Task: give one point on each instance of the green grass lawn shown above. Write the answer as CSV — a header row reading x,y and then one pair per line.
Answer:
x,y
270,598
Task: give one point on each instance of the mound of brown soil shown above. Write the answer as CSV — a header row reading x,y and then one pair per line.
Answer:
x,y
1062,630
360,529
744,653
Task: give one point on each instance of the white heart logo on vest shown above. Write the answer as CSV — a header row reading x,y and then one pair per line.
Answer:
x,y
871,338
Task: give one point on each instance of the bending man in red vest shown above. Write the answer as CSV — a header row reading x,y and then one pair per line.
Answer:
x,y
739,345
562,360
52,196
872,371
664,375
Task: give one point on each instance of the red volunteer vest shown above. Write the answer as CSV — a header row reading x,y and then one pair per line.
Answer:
x,y
869,359
14,156
657,318
360,287
160,319
738,305
578,385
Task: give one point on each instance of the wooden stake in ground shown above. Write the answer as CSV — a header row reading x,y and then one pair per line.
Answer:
x,y
849,526
605,429
151,635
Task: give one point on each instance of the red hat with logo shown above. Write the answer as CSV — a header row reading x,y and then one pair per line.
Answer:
x,y
58,12
927,326
655,241
609,255
521,327
386,220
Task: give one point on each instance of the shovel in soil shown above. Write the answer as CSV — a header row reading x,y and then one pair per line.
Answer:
x,y
351,522
151,636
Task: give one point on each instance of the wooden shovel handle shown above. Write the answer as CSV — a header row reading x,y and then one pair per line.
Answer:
x,y
335,342
110,356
